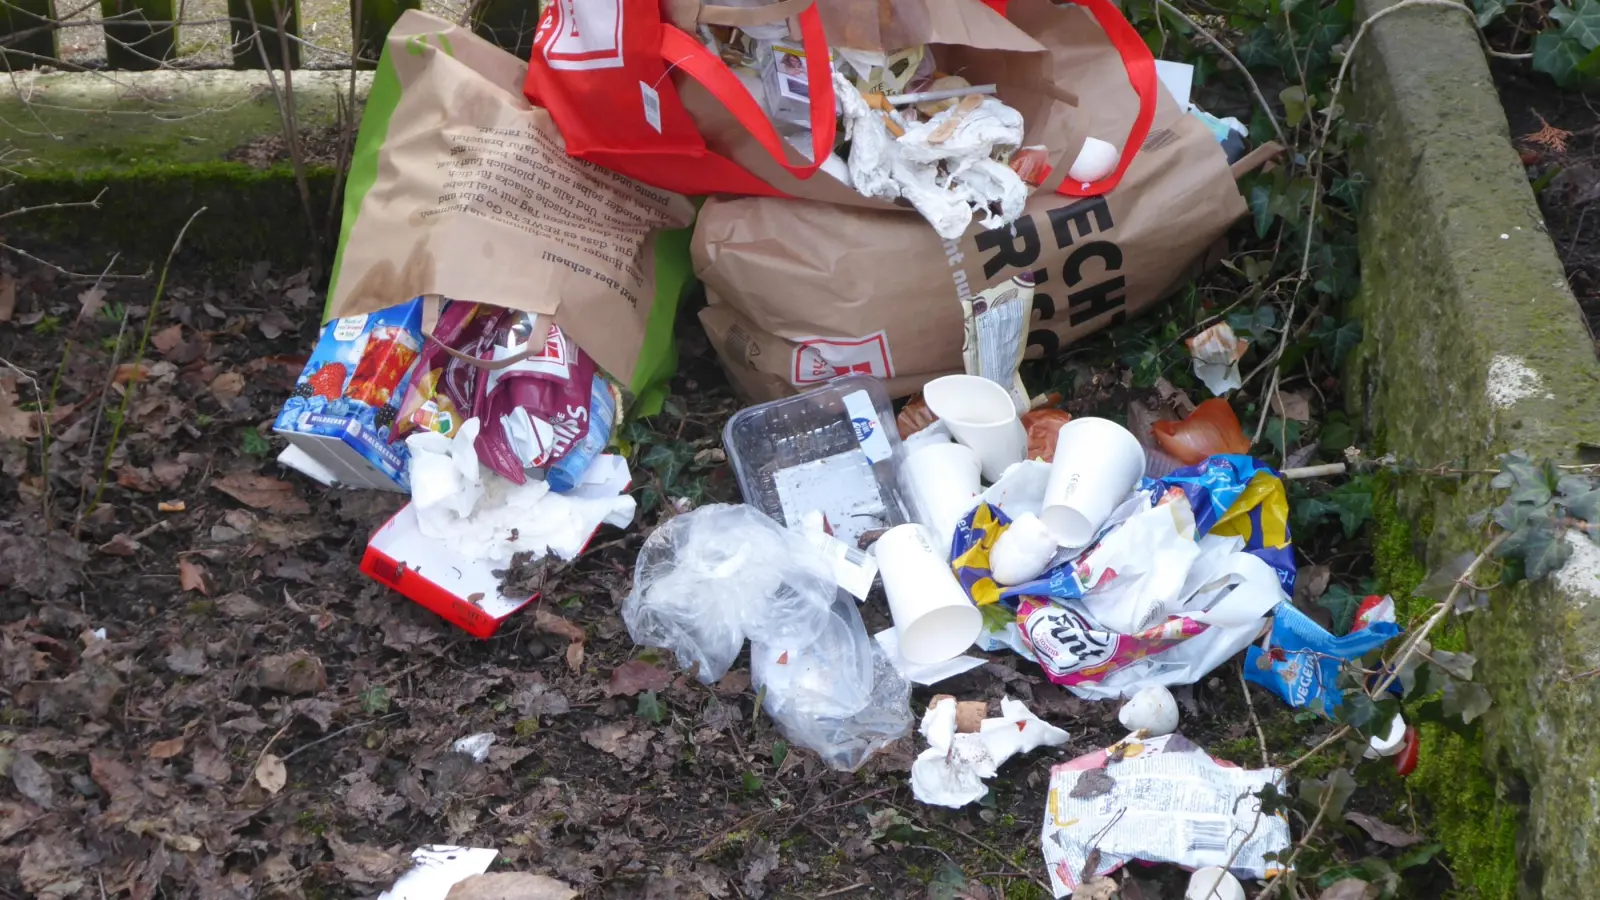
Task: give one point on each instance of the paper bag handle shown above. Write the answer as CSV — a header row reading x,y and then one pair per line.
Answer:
x,y
686,54
1141,69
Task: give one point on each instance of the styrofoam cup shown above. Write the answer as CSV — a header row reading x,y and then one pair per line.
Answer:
x,y
942,480
934,618
1097,463
981,415
1213,883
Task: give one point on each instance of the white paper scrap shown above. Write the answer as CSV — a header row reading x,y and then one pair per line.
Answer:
x,y
436,869
923,674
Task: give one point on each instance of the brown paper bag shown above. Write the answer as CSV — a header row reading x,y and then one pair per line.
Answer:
x,y
804,291
458,187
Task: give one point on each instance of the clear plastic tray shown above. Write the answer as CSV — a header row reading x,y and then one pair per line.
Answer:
x,y
835,449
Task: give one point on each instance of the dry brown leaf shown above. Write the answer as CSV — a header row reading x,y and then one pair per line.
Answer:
x,y
575,656
169,472
33,780
136,479
192,577
127,372
14,423
1291,405
1382,831
550,623
617,740
227,387
637,675
292,673
1349,889
510,886
121,545
262,492
93,300
271,773
166,749
168,340
8,297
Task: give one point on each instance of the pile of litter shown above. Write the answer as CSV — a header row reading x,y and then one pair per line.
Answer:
x,y
487,377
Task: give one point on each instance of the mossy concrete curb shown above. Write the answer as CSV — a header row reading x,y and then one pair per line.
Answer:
x,y
157,145
1474,345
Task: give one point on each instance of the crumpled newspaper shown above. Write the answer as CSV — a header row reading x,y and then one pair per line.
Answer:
x,y
1216,353
952,770
943,167
1161,800
481,515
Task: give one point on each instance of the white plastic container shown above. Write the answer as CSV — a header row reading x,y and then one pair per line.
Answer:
x,y
835,450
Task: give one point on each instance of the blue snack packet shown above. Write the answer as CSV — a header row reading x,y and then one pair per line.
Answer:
x,y
1302,660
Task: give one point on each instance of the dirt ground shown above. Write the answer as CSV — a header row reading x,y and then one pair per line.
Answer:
x,y
1558,133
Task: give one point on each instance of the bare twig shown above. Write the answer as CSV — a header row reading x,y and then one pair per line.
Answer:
x,y
286,108
1266,762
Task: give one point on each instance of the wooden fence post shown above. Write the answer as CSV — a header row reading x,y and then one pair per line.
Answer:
x,y
28,26
369,30
245,54
132,41
509,23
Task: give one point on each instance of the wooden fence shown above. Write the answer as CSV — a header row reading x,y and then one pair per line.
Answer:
x,y
144,34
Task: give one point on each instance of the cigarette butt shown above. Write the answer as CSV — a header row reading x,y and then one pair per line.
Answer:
x,y
892,125
969,713
172,506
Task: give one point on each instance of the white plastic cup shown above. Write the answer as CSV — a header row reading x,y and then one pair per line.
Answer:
x,y
943,482
934,618
1097,464
981,415
1213,883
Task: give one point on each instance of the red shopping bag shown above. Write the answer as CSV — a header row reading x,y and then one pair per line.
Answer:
x,y
602,68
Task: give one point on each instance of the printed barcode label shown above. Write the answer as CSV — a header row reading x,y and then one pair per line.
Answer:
x,y
652,106
1208,836
853,556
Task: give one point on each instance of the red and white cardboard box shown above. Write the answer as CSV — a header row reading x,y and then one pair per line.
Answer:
x,y
464,593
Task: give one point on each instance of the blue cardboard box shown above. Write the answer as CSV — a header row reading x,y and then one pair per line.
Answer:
x,y
347,398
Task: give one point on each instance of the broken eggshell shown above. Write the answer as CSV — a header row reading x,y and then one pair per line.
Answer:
x,y
1022,552
1152,710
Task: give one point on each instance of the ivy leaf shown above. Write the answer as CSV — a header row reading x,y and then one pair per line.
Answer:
x,y
1537,546
650,708
1261,207
1341,603
1357,710
1580,23
1515,468
1294,105
1353,501
1489,10
1459,665
1334,790
1558,56
1465,699
1273,801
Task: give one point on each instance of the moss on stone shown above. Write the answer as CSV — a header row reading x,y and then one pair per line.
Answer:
x,y
1476,825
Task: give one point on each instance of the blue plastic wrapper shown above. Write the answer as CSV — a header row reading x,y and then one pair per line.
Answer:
x,y
1302,660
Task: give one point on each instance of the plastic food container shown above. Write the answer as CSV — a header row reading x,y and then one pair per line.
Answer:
x,y
835,450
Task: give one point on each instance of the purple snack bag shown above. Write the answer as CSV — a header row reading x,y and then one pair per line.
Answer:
x,y
536,410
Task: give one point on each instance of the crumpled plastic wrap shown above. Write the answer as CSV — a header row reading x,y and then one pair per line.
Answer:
x,y
943,167
707,579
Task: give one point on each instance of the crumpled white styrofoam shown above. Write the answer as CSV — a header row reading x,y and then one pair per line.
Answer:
x,y
946,181
952,770
481,516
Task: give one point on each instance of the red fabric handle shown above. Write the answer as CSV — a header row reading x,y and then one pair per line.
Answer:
x,y
686,54
1141,67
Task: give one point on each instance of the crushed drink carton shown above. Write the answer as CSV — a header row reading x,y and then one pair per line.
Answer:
x,y
783,74
346,400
